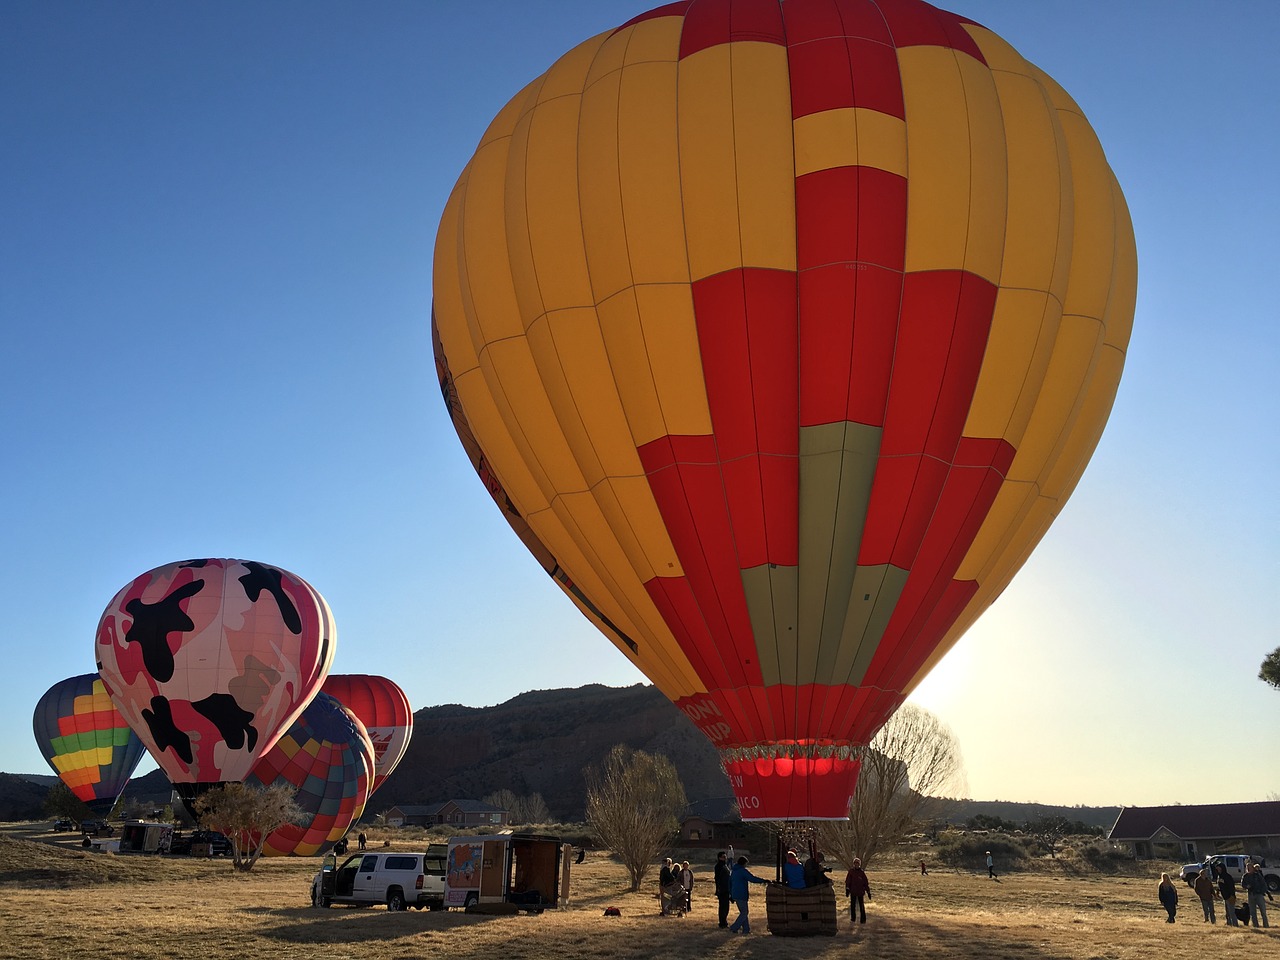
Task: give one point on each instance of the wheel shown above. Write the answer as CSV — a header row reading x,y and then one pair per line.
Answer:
x,y
395,900
471,901
1273,882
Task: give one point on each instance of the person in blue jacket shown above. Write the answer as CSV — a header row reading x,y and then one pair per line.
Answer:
x,y
740,881
793,871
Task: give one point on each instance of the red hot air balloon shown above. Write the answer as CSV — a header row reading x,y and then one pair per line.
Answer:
x,y
327,757
87,742
384,710
781,332
210,661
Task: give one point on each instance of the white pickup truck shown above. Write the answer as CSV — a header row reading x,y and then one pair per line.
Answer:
x,y
1235,864
400,880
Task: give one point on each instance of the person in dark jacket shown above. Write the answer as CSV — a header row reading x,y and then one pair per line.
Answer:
x,y
740,880
666,876
722,887
1168,895
858,889
1255,885
1203,887
815,874
1227,887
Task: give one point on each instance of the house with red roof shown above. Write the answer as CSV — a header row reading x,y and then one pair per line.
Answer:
x,y
1194,831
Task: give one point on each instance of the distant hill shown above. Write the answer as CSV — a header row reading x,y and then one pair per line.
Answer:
x,y
539,742
960,811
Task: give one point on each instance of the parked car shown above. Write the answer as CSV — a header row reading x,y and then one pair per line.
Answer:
x,y
96,828
64,823
201,843
400,880
1235,864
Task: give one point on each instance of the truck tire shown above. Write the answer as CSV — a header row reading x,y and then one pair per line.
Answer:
x,y
395,899
472,900
1273,882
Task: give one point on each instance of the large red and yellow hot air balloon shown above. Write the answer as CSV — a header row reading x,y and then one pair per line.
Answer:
x,y
209,661
83,737
384,710
781,331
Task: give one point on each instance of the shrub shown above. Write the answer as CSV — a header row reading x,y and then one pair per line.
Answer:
x,y
1104,857
957,850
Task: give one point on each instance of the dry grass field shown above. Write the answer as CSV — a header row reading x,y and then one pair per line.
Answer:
x,y
58,901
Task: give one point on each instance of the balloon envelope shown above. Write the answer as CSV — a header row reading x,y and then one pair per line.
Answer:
x,y
210,661
86,741
780,332
384,710
326,755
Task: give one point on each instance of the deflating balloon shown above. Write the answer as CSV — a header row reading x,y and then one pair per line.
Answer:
x,y
780,333
87,742
326,755
384,710
210,661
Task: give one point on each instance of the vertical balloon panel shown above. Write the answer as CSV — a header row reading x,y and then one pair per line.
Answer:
x,y
780,332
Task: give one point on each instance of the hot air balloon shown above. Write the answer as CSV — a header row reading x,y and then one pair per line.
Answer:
x,y
327,756
210,661
384,710
83,737
781,331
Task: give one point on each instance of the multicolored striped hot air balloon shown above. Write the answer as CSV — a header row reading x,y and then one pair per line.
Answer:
x,y
86,741
781,332
210,661
327,757
384,710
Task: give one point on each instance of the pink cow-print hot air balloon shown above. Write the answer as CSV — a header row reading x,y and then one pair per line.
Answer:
x,y
210,661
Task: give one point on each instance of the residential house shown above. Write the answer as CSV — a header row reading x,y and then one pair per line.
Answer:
x,y
710,823
452,813
1193,831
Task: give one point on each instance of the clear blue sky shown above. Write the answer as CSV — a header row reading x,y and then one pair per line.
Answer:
x,y
215,288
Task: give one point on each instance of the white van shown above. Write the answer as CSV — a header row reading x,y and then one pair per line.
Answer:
x,y
400,880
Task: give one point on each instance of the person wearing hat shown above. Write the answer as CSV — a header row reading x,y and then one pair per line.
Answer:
x,y
793,871
991,867
858,889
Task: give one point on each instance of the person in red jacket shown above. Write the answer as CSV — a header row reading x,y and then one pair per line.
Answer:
x,y
858,889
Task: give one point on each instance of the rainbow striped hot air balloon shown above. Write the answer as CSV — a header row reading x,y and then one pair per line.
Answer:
x,y
86,741
781,332
326,756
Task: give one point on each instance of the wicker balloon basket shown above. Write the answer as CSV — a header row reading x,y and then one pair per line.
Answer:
x,y
801,913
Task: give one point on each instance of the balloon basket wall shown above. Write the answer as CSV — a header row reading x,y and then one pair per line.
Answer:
x,y
809,912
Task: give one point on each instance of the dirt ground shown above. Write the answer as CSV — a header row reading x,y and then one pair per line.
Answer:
x,y
59,901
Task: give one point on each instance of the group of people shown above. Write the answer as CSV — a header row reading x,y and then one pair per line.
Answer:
x,y
733,885
1217,883
675,887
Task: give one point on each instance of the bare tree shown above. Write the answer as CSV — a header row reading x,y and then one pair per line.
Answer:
x,y
633,800
914,759
246,815
532,809
504,799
